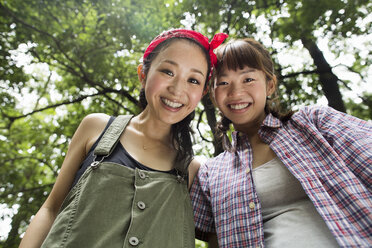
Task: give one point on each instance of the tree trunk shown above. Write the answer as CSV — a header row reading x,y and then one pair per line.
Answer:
x,y
211,118
328,80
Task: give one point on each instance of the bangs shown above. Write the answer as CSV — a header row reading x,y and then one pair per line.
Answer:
x,y
235,56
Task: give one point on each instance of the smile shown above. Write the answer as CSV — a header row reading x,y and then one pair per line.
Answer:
x,y
239,106
171,104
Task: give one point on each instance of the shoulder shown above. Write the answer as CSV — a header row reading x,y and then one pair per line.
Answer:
x,y
317,114
213,169
223,157
329,120
326,114
95,119
93,123
215,164
311,111
91,127
193,170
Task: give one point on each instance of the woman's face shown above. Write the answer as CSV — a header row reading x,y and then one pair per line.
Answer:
x,y
241,96
175,81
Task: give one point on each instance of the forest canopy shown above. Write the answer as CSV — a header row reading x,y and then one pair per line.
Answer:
x,y
61,60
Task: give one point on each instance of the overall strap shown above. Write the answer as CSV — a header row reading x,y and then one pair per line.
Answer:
x,y
111,137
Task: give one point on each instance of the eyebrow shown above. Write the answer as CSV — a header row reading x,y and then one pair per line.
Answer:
x,y
248,71
242,72
174,63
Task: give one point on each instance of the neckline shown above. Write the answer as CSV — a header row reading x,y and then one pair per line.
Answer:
x,y
139,163
267,163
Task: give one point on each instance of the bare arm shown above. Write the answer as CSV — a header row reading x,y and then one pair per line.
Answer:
x,y
193,170
84,137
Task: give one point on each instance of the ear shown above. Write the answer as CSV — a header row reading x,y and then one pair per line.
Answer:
x,y
141,75
271,86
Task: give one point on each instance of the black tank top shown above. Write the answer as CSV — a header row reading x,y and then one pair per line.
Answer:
x,y
119,155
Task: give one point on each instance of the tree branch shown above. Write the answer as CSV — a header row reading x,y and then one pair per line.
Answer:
x,y
295,74
352,70
57,42
30,158
79,99
44,90
118,103
25,190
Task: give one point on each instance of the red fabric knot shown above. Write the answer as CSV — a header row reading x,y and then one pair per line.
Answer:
x,y
216,41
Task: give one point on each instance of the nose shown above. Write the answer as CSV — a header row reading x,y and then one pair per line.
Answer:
x,y
177,86
235,90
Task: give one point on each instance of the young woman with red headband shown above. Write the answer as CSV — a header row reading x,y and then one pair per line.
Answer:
x,y
124,180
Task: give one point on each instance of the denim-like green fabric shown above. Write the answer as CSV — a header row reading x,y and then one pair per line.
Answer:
x,y
115,206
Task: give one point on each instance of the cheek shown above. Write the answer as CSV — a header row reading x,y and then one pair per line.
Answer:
x,y
151,85
195,98
262,95
218,97
258,92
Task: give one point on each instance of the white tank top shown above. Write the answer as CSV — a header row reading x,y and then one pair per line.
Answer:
x,y
290,218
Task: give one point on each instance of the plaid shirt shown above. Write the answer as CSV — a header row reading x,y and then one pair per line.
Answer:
x,y
329,152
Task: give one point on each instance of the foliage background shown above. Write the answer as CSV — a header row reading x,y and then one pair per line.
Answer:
x,y
61,60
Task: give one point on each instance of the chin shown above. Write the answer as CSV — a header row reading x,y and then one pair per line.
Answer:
x,y
172,121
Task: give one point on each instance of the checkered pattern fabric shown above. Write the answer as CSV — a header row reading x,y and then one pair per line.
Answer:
x,y
329,152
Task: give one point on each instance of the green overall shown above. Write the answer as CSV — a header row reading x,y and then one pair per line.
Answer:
x,y
116,206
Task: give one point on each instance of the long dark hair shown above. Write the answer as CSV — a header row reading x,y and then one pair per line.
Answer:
x,y
235,55
180,131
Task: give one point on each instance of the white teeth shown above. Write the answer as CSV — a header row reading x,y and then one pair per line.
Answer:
x,y
171,104
239,106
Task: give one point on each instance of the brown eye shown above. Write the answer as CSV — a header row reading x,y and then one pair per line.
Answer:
x,y
168,72
221,83
194,81
248,80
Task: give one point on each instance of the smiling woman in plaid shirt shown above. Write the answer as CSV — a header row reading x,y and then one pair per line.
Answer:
x,y
286,180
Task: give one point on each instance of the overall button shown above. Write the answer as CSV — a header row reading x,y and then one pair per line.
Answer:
x,y
141,205
252,205
247,170
133,241
142,175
